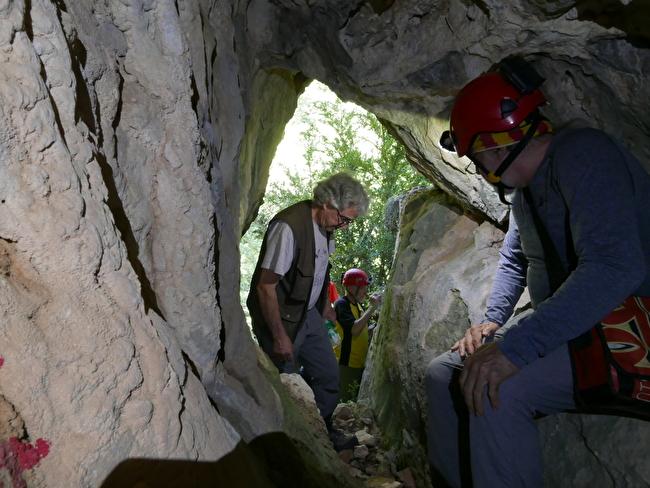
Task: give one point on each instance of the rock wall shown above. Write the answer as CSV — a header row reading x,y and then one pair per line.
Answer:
x,y
404,61
441,276
125,130
98,156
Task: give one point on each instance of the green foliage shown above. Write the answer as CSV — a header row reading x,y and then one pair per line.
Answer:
x,y
339,138
352,391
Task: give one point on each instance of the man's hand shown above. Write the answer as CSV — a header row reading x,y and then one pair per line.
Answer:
x,y
329,313
488,366
473,338
375,299
283,348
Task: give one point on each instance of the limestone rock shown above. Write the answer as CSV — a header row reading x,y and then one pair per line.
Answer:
x,y
406,477
365,438
361,452
594,450
343,412
442,274
319,463
121,324
304,397
382,482
89,363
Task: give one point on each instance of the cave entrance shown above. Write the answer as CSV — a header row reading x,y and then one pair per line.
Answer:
x,y
325,136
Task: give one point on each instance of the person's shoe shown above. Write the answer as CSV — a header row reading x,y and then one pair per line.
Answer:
x,y
342,442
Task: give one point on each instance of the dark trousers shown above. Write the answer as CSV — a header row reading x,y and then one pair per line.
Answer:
x,y
313,358
504,448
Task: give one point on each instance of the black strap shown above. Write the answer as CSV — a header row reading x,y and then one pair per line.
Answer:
x,y
502,193
555,268
534,119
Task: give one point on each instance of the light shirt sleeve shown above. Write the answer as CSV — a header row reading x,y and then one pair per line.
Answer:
x,y
279,248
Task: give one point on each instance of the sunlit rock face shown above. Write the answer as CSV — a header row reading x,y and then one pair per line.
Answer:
x,y
122,129
442,273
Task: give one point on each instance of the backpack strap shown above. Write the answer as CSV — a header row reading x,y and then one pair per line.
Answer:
x,y
555,269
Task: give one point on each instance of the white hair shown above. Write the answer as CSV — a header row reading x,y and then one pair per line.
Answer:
x,y
342,191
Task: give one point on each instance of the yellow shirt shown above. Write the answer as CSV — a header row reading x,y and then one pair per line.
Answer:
x,y
352,351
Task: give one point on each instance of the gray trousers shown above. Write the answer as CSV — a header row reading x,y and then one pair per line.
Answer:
x,y
500,448
314,358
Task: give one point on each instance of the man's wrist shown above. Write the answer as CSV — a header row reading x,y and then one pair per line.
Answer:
x,y
278,333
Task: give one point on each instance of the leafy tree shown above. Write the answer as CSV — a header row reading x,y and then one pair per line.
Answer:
x,y
338,138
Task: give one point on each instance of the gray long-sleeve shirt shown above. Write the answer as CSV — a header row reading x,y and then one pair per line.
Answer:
x,y
606,193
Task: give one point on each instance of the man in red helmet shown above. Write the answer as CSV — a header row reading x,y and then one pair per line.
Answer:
x,y
352,326
578,237
288,299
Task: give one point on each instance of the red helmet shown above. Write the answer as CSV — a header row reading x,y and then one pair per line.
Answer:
x,y
355,277
488,103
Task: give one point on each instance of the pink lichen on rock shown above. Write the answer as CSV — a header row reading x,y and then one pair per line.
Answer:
x,y
18,456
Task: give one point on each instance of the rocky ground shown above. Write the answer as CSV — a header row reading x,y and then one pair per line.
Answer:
x,y
371,462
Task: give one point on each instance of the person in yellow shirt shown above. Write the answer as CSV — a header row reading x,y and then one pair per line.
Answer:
x,y
352,327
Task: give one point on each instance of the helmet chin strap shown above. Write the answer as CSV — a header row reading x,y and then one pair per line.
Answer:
x,y
495,178
502,190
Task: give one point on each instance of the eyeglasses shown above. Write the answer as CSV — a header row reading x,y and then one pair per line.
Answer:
x,y
494,177
343,220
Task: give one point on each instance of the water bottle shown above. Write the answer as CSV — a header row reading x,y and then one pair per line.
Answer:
x,y
335,339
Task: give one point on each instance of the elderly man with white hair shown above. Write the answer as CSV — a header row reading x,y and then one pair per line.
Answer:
x,y
288,299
